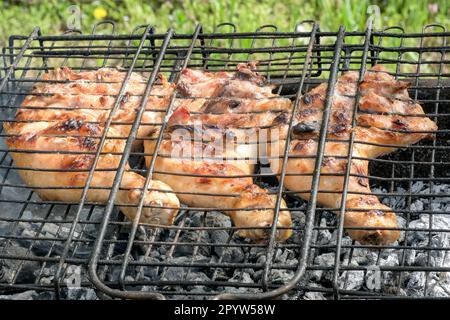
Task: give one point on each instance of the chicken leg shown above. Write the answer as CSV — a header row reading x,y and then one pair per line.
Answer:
x,y
56,133
386,120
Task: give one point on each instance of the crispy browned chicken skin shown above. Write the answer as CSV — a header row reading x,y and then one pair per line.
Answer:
x,y
387,119
68,115
222,106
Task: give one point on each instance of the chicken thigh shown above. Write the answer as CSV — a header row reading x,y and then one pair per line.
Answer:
x,y
227,112
57,130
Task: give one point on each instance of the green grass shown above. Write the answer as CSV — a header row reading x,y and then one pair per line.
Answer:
x,y
19,17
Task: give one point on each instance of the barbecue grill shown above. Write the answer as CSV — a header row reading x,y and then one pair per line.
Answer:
x,y
52,249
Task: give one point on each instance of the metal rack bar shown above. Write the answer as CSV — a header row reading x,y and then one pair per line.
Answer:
x,y
301,269
95,257
362,72
96,159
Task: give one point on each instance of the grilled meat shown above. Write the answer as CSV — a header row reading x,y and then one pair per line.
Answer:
x,y
56,133
387,119
218,129
214,171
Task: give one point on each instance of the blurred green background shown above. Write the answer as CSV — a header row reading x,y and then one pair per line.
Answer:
x,y
19,17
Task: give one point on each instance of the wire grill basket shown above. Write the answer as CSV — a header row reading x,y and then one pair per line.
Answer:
x,y
52,246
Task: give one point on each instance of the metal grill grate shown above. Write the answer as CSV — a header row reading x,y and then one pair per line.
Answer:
x,y
43,244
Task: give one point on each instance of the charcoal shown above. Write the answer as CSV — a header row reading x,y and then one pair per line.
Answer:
x,y
410,257
73,277
256,252
364,256
286,256
416,283
45,295
193,237
26,295
199,277
279,255
10,267
261,259
154,254
312,295
211,219
145,289
177,273
233,255
114,270
47,230
280,276
250,271
230,254
324,260
412,283
401,224
420,238
257,275
11,208
217,219
227,253
91,229
4,227
194,219
351,280
219,237
80,294
324,236
417,205
391,259
47,275
239,290
298,217
417,187
395,202
149,271
439,285
221,274
174,274
241,276
435,206
345,241
422,259
162,250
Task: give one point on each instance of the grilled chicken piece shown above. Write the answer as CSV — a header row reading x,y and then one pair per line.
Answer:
x,y
214,170
245,83
59,127
216,184
387,119
94,94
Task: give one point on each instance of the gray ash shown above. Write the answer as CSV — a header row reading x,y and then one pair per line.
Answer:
x,y
426,240
223,247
